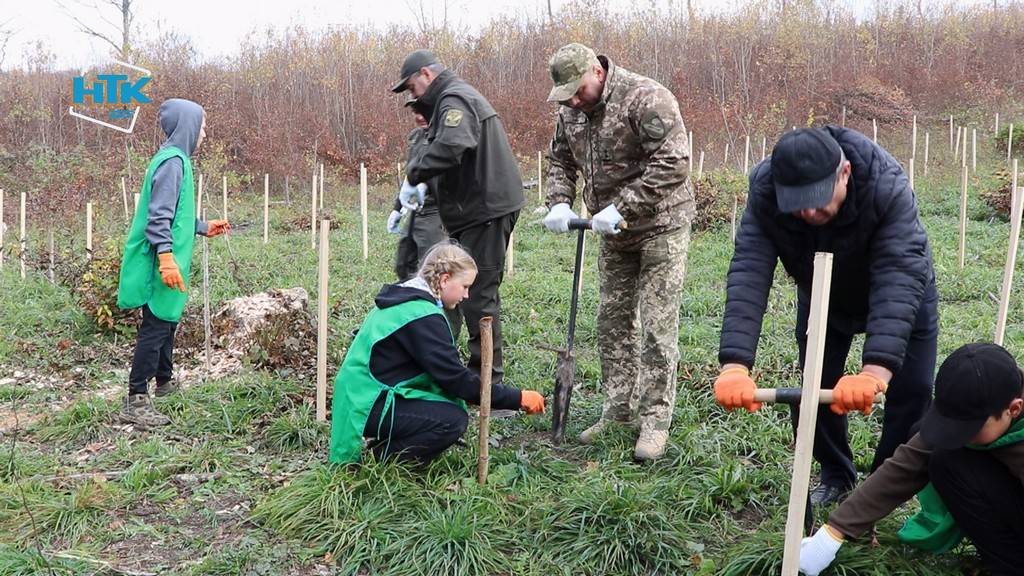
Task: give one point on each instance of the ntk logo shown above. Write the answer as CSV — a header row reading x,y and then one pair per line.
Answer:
x,y
112,95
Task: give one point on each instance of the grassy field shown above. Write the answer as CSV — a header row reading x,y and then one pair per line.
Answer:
x,y
239,483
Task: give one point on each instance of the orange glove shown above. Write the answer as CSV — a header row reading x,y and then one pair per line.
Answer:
x,y
734,389
169,272
532,402
856,393
216,228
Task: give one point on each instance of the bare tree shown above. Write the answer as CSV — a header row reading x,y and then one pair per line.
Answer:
x,y
125,14
5,38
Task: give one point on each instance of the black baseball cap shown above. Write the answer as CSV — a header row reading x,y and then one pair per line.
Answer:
x,y
805,164
973,383
412,64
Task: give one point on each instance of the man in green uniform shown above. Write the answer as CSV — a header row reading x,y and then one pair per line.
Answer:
x,y
480,190
157,261
625,134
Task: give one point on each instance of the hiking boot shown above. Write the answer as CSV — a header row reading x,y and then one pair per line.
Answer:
x,y
139,412
825,494
590,434
650,445
167,388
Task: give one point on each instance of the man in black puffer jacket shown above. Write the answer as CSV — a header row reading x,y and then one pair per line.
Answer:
x,y
834,190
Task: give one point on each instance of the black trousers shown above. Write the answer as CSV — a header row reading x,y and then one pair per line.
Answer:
x,y
419,432
906,400
987,502
153,351
487,244
424,231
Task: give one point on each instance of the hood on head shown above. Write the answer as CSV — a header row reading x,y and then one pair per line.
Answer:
x,y
181,121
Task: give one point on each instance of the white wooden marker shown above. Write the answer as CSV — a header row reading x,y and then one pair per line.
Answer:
x,y
540,176
956,147
910,171
809,399
974,150
224,211
874,131
321,186
963,214
124,197
135,200
1009,145
2,226
746,155
764,147
725,161
266,208
950,131
200,199
700,166
88,230
926,139
510,253
1011,257
321,326
23,240
312,214
363,211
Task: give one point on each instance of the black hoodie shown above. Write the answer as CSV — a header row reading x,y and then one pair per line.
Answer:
x,y
425,345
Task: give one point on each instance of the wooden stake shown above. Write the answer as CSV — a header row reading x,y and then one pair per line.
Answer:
x,y
88,230
312,214
398,172
746,155
996,132
124,197
486,363
321,186
926,138
874,131
224,211
540,176
266,208
910,172
764,147
956,147
974,150
963,152
135,200
950,131
963,215
842,122
53,257
207,332
363,211
321,327
2,227
510,254
700,166
1009,145
23,240
913,139
809,399
725,161
200,199
1011,257
732,220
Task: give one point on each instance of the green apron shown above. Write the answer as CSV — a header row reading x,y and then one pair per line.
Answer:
x,y
356,390
140,281
933,528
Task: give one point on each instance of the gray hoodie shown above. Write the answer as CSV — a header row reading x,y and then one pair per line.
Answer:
x,y
181,120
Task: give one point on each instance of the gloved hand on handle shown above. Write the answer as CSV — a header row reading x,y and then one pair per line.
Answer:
x,y
558,218
734,388
857,392
606,221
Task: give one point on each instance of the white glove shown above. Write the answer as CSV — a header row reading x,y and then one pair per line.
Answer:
x,y
412,196
607,220
393,220
818,551
558,218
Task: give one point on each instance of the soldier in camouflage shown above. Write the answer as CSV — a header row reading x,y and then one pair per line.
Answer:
x,y
625,134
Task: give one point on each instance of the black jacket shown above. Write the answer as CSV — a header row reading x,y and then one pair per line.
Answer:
x,y
882,262
425,345
417,144
468,150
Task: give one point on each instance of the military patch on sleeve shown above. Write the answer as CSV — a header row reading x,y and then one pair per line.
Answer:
x,y
653,125
453,118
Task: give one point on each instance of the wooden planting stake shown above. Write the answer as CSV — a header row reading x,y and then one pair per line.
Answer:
x,y
746,155
820,291
963,215
266,208
321,326
207,332
874,131
321,186
88,230
732,220
124,197
910,172
950,131
23,240
700,166
926,138
312,214
2,227
1009,145
913,139
224,211
510,254
540,176
135,201
996,132
725,161
956,147
200,199
974,150
363,211
842,122
49,271
764,147
1011,257
486,364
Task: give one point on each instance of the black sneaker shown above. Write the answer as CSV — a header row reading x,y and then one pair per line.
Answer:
x,y
826,494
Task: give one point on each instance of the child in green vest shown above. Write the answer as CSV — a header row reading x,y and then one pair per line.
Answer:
x,y
402,385
966,465
157,262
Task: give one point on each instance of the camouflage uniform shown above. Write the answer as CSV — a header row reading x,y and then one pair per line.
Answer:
x,y
632,150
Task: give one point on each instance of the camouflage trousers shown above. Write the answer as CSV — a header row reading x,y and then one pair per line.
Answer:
x,y
638,328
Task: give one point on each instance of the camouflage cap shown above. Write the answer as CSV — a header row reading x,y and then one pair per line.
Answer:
x,y
568,65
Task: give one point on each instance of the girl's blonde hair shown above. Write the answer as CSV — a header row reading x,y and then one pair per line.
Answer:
x,y
445,258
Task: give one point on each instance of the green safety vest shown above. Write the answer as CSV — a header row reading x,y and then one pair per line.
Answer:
x,y
933,528
140,281
356,390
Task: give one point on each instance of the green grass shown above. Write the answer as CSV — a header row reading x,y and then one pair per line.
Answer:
x,y
715,504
